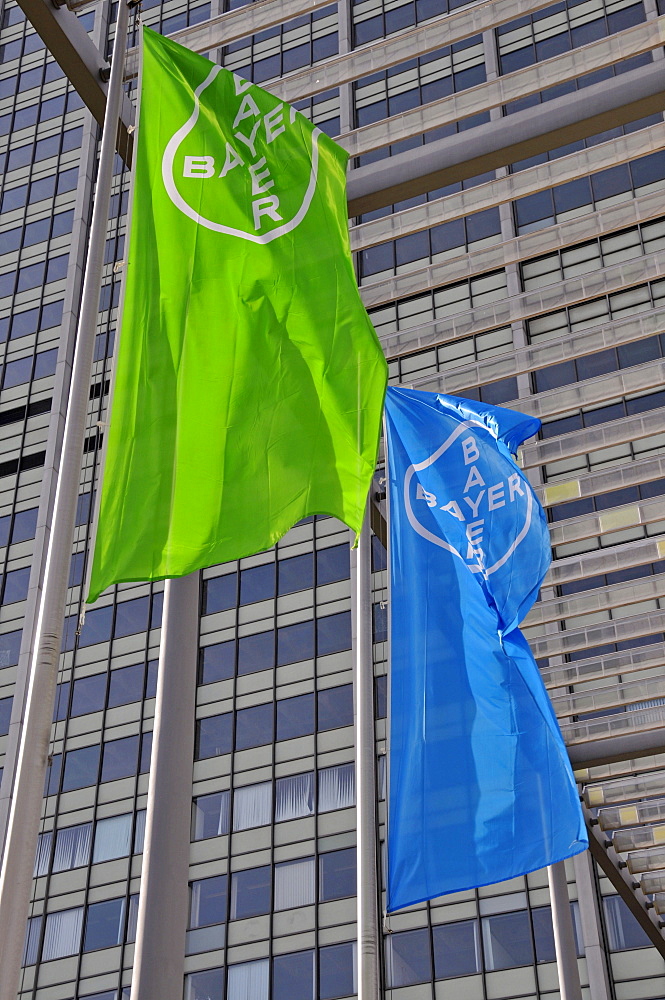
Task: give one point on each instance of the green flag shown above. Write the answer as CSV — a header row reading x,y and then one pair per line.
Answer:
x,y
250,381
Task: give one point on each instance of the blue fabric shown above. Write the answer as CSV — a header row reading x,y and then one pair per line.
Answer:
x,y
481,788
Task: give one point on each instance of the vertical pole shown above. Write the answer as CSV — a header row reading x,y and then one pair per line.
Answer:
x,y
368,908
597,961
24,818
564,935
159,953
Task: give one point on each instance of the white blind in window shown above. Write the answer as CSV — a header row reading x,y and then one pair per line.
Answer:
x,y
252,806
294,884
62,935
294,797
72,847
337,787
249,981
112,838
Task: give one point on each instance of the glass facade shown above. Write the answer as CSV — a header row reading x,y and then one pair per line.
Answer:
x,y
540,285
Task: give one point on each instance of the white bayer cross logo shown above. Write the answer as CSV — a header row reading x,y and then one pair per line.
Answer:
x,y
477,499
251,131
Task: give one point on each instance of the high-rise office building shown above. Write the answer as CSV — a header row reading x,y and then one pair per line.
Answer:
x,y
537,284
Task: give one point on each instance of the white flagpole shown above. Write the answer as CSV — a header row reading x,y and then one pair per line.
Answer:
x,y
369,982
564,934
159,953
25,813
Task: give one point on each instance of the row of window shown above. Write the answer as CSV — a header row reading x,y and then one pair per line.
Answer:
x,y
562,27
42,149
546,208
627,244
293,797
285,719
274,579
109,689
287,644
30,321
431,245
605,501
113,620
326,974
258,891
29,369
75,846
299,42
34,275
374,19
81,928
33,114
107,761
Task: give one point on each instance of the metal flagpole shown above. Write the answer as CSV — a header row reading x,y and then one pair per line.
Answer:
x,y
564,935
159,953
369,984
21,843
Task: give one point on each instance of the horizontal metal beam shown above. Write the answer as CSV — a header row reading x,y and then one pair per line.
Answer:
x,y
625,885
556,123
80,60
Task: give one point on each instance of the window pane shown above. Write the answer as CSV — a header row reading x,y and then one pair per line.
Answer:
x,y
294,797
337,874
295,717
252,806
250,892
120,758
205,985
333,633
408,958
126,685
295,574
295,884
113,837
456,949
332,564
293,976
104,924
5,715
256,652
217,662
72,847
254,726
623,930
295,643
25,525
257,583
210,815
335,707
97,626
337,971
81,768
62,934
219,593
507,941
131,617
249,981
337,787
208,901
89,694
213,736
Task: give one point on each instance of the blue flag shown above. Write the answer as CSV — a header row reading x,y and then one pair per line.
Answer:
x,y
481,787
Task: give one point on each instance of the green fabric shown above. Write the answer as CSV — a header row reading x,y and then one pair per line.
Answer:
x,y
250,381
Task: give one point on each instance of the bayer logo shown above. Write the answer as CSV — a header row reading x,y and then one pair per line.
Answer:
x,y
466,499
